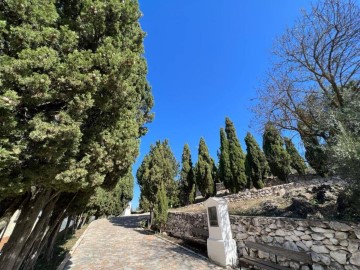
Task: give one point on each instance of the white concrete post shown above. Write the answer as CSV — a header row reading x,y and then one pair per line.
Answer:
x,y
221,247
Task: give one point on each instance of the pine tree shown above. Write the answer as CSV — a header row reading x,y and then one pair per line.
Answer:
x,y
257,167
224,160
276,155
159,167
186,177
238,179
203,171
74,100
161,208
296,161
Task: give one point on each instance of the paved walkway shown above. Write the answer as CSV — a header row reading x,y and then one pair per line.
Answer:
x,y
118,244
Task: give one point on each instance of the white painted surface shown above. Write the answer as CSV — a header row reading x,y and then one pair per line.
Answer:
x,y
221,246
127,211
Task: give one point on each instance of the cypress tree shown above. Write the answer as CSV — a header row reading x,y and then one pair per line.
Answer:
x,y
203,171
238,179
224,160
277,157
74,99
187,176
296,161
257,167
159,167
161,208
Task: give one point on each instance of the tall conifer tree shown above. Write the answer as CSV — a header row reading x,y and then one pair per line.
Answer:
x,y
237,159
224,160
187,177
257,167
203,171
73,99
276,155
296,161
159,167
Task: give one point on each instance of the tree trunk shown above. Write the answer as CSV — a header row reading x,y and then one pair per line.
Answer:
x,y
9,211
69,218
37,233
29,213
42,242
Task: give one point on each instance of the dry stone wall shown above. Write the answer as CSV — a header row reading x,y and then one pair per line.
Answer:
x,y
332,245
185,225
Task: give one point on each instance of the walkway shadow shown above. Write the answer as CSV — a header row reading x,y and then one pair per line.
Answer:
x,y
131,222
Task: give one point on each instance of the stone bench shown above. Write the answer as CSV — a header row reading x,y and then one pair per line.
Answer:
x,y
246,261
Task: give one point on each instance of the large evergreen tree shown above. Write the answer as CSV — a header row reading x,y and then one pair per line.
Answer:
x,y
159,167
204,170
237,159
73,101
257,167
276,155
224,160
187,177
296,161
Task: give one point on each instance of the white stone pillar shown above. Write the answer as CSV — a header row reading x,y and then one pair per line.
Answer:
x,y
221,247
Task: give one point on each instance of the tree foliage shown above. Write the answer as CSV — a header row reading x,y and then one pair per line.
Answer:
x,y
113,202
159,167
224,160
238,179
277,157
256,164
204,171
187,177
161,208
296,161
73,100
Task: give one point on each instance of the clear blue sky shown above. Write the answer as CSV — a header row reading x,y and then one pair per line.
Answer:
x,y
206,59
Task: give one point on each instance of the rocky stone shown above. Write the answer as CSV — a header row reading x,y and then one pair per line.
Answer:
x,y
305,237
341,235
318,267
308,243
302,246
317,236
291,246
357,232
272,226
294,265
267,239
344,243
351,267
332,248
280,233
319,249
339,256
305,267
241,236
355,258
325,259
353,246
321,230
279,240
335,266
337,226
329,235
298,233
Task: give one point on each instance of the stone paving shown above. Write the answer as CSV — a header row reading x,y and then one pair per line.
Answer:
x,y
118,243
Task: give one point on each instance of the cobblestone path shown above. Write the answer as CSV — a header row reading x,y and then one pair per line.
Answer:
x,y
118,244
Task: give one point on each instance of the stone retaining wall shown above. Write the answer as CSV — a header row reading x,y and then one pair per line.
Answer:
x,y
187,225
332,245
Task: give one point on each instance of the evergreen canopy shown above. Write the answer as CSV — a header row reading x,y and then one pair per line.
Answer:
x,y
256,164
204,171
237,159
276,155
